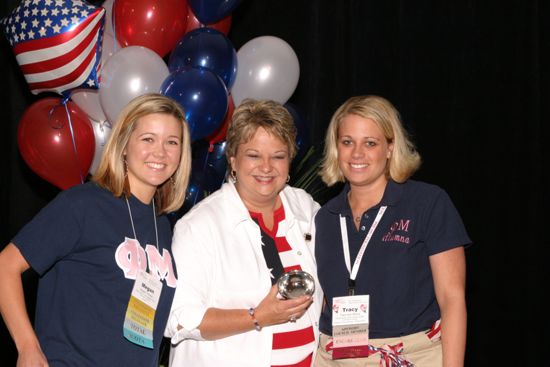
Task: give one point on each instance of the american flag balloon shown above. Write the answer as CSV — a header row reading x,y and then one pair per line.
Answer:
x,y
57,43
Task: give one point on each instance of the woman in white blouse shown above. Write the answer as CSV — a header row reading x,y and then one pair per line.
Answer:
x,y
231,248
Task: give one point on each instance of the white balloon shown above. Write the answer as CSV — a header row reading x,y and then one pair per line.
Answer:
x,y
102,130
109,28
88,100
109,47
131,71
268,68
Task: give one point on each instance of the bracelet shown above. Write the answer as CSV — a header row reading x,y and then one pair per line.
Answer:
x,y
257,326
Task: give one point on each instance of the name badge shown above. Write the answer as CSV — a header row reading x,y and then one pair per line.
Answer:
x,y
140,314
350,327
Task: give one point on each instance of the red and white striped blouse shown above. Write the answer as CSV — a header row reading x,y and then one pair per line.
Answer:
x,y
293,342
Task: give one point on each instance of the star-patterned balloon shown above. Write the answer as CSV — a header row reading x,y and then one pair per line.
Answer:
x,y
57,43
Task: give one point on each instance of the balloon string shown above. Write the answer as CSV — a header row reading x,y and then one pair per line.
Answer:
x,y
59,124
108,124
64,102
50,113
205,161
113,21
66,96
102,125
203,174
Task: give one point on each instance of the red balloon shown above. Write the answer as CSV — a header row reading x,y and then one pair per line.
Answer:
x,y
220,134
46,142
155,24
193,23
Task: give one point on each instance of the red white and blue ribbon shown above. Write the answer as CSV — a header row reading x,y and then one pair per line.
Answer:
x,y
434,333
390,355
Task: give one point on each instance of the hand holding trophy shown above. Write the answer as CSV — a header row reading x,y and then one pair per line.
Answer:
x,y
296,283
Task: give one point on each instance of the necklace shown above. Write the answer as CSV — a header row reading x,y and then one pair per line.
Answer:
x,y
154,218
357,219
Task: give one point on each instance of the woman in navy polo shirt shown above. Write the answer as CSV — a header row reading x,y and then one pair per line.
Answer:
x,y
399,241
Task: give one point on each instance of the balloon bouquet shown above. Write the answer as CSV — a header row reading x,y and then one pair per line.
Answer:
x,y
98,58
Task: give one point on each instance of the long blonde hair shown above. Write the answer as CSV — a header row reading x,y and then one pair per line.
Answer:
x,y
111,171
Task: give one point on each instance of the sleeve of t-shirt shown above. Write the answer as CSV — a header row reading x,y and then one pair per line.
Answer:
x,y
444,228
51,235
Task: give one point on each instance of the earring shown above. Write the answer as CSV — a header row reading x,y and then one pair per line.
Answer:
x,y
234,176
288,179
125,166
172,181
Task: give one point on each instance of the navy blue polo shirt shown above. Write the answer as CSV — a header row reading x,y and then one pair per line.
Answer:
x,y
420,221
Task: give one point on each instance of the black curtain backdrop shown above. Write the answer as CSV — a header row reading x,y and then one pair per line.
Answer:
x,y
471,80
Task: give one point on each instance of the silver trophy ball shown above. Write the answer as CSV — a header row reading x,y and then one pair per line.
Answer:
x,y
295,283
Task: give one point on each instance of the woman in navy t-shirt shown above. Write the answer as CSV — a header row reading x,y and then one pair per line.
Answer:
x,y
102,250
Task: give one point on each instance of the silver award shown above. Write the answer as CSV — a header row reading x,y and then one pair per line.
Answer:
x,y
296,283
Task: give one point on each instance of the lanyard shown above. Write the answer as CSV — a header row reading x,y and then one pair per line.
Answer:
x,y
345,245
154,219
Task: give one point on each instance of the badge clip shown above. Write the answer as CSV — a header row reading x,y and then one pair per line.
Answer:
x,y
351,287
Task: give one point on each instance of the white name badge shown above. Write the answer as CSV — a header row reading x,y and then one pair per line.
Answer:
x,y
140,315
350,326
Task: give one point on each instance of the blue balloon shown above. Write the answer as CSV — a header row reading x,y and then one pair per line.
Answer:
x,y
209,160
207,48
191,196
211,11
208,172
303,140
203,96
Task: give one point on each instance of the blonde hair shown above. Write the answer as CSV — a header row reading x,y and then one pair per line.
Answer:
x,y
251,115
404,161
111,171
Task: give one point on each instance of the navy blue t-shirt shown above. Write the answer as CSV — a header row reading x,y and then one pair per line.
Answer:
x,y
420,221
82,246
